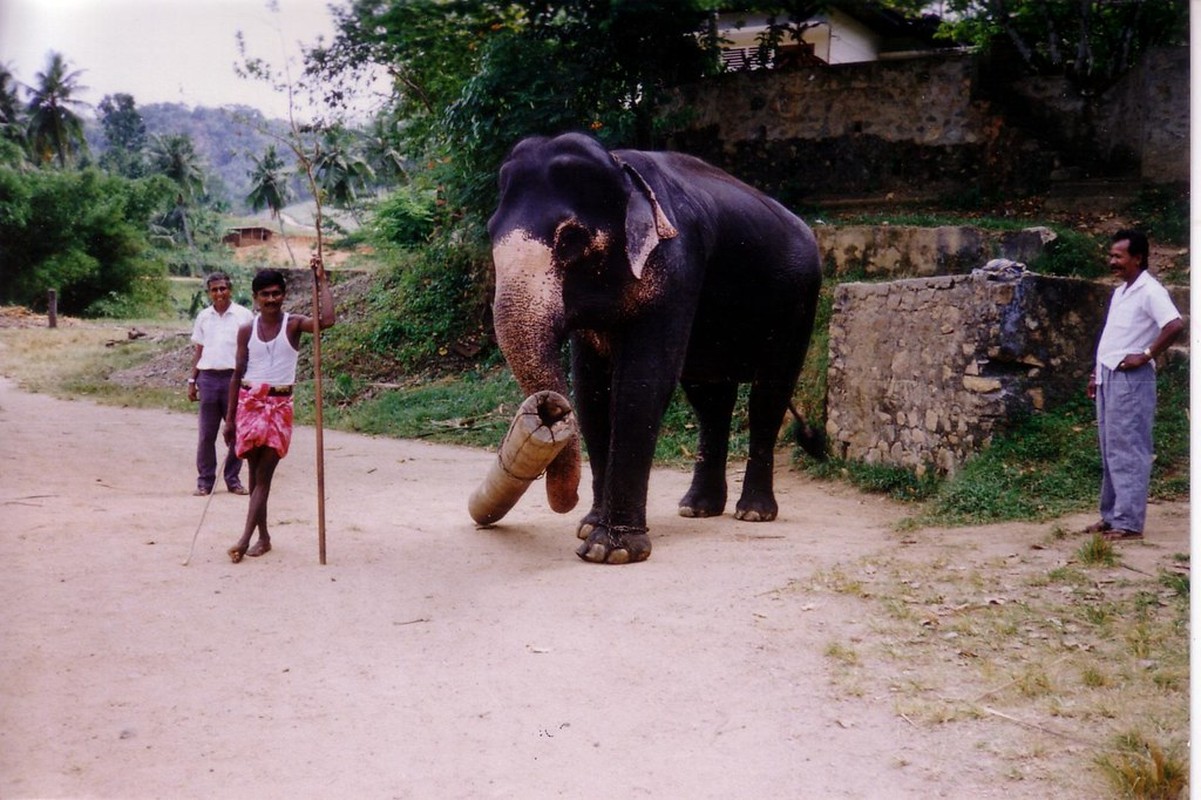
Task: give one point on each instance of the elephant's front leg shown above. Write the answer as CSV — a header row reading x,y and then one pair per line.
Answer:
x,y
591,376
639,398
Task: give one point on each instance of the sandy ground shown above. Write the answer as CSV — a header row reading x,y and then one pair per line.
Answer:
x,y
430,659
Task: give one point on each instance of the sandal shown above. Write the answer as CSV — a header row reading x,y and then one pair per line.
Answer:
x,y
1098,527
1119,535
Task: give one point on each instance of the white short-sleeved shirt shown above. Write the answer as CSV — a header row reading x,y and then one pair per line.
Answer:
x,y
218,335
1137,313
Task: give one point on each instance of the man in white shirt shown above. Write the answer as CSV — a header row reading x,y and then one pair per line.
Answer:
x,y
1141,324
215,340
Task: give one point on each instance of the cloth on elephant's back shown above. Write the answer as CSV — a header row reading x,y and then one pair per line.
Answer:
x,y
543,426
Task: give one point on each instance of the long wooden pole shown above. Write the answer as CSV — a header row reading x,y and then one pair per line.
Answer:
x,y
318,399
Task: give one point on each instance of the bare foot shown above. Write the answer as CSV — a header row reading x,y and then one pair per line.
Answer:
x,y
236,552
259,549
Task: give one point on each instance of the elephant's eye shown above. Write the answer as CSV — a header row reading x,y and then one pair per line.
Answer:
x,y
572,242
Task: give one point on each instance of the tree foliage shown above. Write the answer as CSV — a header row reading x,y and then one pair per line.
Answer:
x,y
55,126
1093,42
341,171
471,77
269,183
12,124
80,232
175,158
125,136
270,189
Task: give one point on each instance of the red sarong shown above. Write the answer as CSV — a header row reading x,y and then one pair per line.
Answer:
x,y
264,420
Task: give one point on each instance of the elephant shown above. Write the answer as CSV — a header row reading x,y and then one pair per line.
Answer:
x,y
661,270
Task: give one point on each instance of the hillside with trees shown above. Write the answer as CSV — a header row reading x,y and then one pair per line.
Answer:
x,y
225,141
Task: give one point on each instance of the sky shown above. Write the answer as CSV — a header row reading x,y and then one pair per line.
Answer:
x,y
169,51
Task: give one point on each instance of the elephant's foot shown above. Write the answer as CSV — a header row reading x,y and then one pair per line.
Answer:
x,y
618,545
697,509
588,524
703,502
756,508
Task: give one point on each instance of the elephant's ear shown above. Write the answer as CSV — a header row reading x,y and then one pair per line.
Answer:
x,y
646,224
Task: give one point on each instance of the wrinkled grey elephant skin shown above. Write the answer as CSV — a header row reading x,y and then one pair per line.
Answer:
x,y
660,269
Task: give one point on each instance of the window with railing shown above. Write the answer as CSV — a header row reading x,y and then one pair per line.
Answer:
x,y
740,59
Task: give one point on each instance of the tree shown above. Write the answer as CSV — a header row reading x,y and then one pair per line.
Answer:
x,y
341,172
470,77
55,129
125,133
81,232
269,189
12,125
174,157
1093,42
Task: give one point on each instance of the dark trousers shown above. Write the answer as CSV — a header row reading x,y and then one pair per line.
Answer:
x,y
213,387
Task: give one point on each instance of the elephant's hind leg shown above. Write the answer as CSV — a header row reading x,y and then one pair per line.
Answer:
x,y
714,406
768,403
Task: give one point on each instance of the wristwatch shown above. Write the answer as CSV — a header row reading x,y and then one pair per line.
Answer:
x,y
1147,352
191,380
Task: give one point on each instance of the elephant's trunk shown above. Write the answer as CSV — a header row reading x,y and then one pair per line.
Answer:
x,y
528,315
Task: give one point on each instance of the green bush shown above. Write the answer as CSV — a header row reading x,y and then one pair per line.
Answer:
x,y
1072,254
405,218
82,233
431,299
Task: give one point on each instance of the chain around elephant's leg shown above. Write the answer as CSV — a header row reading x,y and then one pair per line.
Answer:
x,y
617,544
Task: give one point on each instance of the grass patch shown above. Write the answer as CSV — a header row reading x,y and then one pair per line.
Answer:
x,y
1048,464
1142,770
1163,211
1045,466
898,483
842,654
1097,552
1072,254
965,639
75,361
474,410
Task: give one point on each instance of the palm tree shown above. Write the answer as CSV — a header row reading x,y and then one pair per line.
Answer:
x,y
341,172
12,128
174,157
269,189
55,130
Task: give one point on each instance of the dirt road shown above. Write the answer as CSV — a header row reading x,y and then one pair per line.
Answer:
x,y
430,659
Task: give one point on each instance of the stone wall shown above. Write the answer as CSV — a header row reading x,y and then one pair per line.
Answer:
x,y
925,127
884,251
924,371
1148,117
852,129
1140,126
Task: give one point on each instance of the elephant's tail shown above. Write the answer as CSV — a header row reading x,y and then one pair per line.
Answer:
x,y
811,440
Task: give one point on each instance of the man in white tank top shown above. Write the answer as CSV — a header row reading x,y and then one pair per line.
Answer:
x,y
259,422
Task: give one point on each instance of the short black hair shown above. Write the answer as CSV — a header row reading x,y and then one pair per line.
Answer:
x,y
268,277
1137,243
213,277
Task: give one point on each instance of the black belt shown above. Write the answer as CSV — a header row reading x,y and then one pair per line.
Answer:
x,y
273,391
